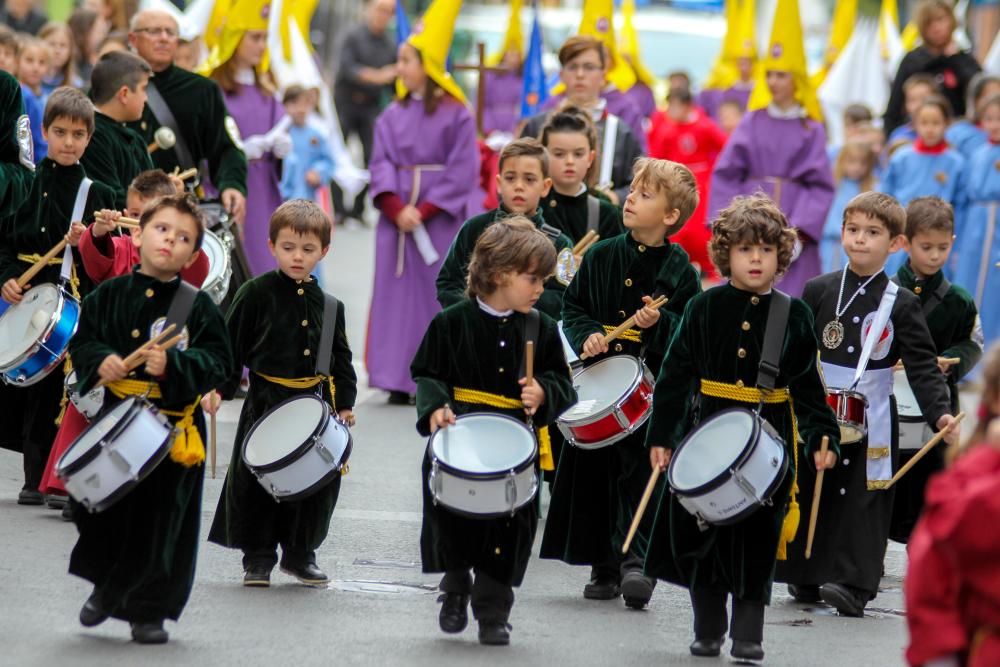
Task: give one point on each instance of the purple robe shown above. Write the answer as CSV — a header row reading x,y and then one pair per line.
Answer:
x,y
642,97
618,104
444,143
787,155
256,112
711,99
502,110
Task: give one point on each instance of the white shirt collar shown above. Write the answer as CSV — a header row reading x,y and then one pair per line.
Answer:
x,y
245,77
792,113
493,311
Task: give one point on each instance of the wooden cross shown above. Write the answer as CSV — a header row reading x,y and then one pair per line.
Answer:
x,y
482,68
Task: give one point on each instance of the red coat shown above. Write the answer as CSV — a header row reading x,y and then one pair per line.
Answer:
x,y
695,144
953,580
102,261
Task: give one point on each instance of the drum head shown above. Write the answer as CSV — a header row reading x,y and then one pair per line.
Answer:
x,y
282,430
906,402
602,385
711,449
218,257
96,432
483,444
21,326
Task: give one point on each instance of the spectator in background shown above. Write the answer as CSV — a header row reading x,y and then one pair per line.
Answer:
x,y
62,68
310,165
9,48
363,86
89,30
22,16
730,113
188,53
32,66
115,41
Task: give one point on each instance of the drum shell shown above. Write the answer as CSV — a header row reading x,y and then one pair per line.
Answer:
x,y
312,465
120,459
45,355
849,407
913,430
217,282
616,422
90,404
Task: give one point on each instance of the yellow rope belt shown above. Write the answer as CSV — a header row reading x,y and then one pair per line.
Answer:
x,y
303,383
733,392
463,395
631,335
188,448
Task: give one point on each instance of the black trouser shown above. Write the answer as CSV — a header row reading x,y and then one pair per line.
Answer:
x,y
268,557
491,599
710,616
359,121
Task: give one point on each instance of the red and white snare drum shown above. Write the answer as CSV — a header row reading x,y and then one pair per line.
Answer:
x,y
616,398
849,406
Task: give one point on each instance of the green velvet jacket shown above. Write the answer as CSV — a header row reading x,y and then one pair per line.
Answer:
x,y
43,219
201,114
16,165
569,214
115,155
451,280
607,290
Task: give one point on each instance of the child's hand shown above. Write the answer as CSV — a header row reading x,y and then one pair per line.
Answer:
x,y
347,416
659,457
12,292
824,462
647,317
409,219
953,434
210,402
104,222
595,345
532,395
178,184
312,179
112,369
156,361
943,366
76,230
441,418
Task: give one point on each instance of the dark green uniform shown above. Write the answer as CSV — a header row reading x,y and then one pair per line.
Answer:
x,y
115,155
201,115
954,326
569,214
720,339
469,348
451,280
140,553
275,324
597,491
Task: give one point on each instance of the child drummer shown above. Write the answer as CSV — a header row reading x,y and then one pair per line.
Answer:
x,y
715,355
469,361
597,491
856,508
275,325
140,552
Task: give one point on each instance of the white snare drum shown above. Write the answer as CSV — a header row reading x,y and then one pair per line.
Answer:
x,y
483,466
297,447
35,334
220,268
913,430
616,398
115,453
89,404
728,467
851,408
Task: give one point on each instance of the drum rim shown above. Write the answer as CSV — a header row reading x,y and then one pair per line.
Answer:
x,y
161,453
755,506
719,479
464,474
848,394
10,371
92,453
323,481
610,410
296,453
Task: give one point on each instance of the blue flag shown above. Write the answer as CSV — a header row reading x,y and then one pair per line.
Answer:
x,y
402,24
535,91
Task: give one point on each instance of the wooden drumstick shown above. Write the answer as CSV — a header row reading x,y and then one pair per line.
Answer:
x,y
188,173
944,361
134,360
589,244
583,241
925,449
627,324
817,492
646,495
212,431
40,264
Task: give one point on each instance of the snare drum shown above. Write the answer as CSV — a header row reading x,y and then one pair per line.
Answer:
x,y
849,406
483,466
35,334
220,268
728,467
88,405
913,430
616,398
115,453
297,447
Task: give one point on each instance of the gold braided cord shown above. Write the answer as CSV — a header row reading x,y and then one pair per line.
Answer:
x,y
631,335
188,448
475,396
74,280
878,484
303,383
878,452
735,392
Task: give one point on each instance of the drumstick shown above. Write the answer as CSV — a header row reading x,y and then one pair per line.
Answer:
x,y
925,449
817,491
627,324
188,173
586,238
646,495
944,361
589,244
211,423
40,264
134,360
529,361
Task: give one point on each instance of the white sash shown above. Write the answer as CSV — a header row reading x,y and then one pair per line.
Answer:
x,y
878,325
66,270
608,151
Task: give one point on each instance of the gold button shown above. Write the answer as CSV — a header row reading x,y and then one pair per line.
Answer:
x,y
135,333
741,353
43,229
755,300
642,248
143,125
501,369
150,293
621,313
916,290
552,204
739,383
497,551
45,194
618,347
301,291
628,282
305,323
306,353
745,326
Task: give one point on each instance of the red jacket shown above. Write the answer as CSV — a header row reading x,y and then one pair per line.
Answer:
x,y
110,256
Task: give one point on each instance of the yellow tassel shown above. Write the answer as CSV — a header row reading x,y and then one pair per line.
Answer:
x,y
545,449
790,525
64,401
188,448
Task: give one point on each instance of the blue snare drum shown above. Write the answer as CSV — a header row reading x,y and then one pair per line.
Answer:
x,y
35,334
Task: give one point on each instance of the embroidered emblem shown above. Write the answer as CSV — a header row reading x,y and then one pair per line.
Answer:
x,y
314,141
566,266
941,177
884,342
777,49
602,25
157,327
25,146
233,131
265,11
996,165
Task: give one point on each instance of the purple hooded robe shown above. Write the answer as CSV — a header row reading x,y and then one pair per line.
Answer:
x,y
502,110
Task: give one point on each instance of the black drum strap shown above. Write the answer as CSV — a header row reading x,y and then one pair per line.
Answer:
x,y
774,338
532,327
593,213
325,356
936,297
181,305
165,117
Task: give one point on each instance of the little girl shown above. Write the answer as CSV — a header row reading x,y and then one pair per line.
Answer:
x,y
32,66
966,134
62,68
928,167
853,173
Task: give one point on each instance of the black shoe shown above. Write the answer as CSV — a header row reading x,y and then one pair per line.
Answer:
x,y
257,575
804,593
744,650
149,633
56,502
67,512
307,573
29,497
91,613
637,589
847,601
494,633
400,398
453,617
602,588
706,648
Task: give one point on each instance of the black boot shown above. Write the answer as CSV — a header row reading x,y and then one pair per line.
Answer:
x,y
706,648
151,632
307,573
258,575
454,614
494,633
747,651
30,497
637,589
603,585
804,593
847,600
92,613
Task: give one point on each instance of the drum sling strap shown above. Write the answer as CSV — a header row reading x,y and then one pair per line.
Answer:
x,y
936,297
187,448
593,213
165,117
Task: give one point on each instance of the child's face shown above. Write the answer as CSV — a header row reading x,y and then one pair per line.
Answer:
x,y
251,49
410,70
930,125
134,101
297,254
134,204
32,67
938,31
782,87
167,243
67,138
867,242
647,209
60,48
730,116
855,165
8,60
875,138
570,157
991,122
915,96
929,251
752,266
522,185
584,77
518,291
186,56
298,110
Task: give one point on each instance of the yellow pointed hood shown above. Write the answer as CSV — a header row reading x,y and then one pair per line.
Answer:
x,y
432,37
845,15
598,21
739,42
513,40
630,45
242,16
213,29
786,53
